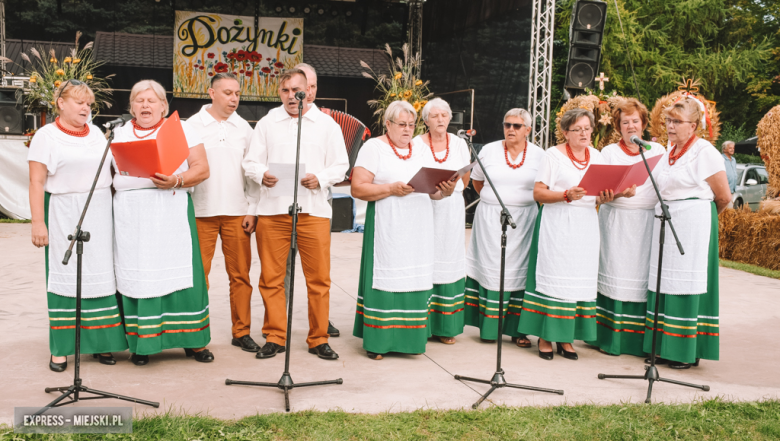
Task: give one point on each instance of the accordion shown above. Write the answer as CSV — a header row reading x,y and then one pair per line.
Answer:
x,y
355,133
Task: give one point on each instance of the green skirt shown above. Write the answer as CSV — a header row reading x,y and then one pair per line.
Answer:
x,y
482,310
176,320
445,309
388,321
689,325
552,319
621,327
101,323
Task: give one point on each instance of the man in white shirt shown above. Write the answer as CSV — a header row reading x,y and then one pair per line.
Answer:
x,y
325,160
225,204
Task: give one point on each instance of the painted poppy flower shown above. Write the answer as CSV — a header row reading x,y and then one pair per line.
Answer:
x,y
211,74
241,71
230,56
255,57
241,55
201,67
279,65
266,70
249,73
210,55
267,59
220,68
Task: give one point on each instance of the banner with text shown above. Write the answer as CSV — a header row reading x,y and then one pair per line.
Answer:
x,y
207,44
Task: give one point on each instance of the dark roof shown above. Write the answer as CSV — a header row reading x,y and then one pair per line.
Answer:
x,y
14,49
141,50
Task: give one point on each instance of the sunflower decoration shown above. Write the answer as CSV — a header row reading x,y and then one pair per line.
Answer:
x,y
401,83
601,105
769,144
709,126
45,77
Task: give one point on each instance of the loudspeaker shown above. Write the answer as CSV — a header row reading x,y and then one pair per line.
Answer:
x,y
342,215
586,31
11,114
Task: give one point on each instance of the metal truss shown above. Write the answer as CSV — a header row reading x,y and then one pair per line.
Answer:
x,y
540,72
415,25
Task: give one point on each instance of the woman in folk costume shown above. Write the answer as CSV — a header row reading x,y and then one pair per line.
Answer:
x,y
512,165
64,157
396,270
560,294
158,264
692,180
626,228
447,151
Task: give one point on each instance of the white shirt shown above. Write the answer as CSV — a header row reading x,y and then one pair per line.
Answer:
x,y
558,172
227,191
125,134
322,150
686,178
459,155
71,161
645,198
515,186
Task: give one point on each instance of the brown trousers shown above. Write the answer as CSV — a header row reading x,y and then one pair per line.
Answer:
x,y
237,248
273,245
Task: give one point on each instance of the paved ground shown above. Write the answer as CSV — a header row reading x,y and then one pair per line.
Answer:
x,y
746,371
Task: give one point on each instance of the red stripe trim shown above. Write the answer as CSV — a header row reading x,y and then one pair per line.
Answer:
x,y
549,315
446,313
681,335
585,316
168,331
394,326
619,330
56,328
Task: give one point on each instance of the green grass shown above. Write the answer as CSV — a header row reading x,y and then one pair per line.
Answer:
x,y
707,420
14,221
753,269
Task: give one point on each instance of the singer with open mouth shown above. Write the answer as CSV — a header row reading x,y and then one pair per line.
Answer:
x,y
560,293
626,228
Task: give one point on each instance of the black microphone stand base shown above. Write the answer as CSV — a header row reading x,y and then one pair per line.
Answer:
x,y
497,382
73,392
286,384
652,376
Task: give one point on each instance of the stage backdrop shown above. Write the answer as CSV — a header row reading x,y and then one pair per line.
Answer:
x,y
206,44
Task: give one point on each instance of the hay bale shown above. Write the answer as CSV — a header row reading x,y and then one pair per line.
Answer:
x,y
750,237
769,143
769,207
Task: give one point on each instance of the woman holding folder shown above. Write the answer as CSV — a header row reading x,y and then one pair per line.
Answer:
x,y
560,294
396,270
692,180
157,258
63,158
512,165
446,151
626,228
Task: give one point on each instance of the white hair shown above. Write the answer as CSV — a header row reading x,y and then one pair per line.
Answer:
x,y
727,143
302,66
436,103
520,113
396,108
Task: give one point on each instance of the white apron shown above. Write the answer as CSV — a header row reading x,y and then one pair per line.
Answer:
x,y
449,235
626,236
567,264
97,271
153,245
483,262
683,274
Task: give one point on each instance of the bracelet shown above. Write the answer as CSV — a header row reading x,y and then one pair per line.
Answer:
x,y
182,181
566,196
176,184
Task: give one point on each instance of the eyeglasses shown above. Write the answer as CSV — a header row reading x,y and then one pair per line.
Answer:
x,y
516,126
403,126
69,82
578,130
675,122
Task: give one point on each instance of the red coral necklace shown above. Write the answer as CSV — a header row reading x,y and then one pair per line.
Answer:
x,y
446,155
403,158
153,128
80,133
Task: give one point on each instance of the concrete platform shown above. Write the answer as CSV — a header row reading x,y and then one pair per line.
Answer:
x,y
750,311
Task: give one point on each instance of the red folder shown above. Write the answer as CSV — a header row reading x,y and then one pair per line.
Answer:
x,y
426,180
145,157
617,178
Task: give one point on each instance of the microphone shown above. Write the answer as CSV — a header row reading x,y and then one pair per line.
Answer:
x,y
119,122
300,96
638,141
466,133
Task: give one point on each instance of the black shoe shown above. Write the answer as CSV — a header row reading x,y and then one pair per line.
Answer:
x,y
332,331
484,340
658,360
269,350
374,356
246,343
139,360
545,355
57,367
681,365
566,354
103,359
324,351
203,356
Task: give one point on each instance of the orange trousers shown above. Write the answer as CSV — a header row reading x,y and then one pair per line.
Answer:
x,y
273,245
237,248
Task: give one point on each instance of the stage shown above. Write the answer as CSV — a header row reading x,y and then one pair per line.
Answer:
x,y
746,371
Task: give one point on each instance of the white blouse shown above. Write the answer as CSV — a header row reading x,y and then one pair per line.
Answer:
x,y
514,185
686,178
72,162
645,198
459,156
558,172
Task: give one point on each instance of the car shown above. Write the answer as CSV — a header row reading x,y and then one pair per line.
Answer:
x,y
752,180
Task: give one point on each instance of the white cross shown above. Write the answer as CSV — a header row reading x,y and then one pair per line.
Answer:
x,y
602,79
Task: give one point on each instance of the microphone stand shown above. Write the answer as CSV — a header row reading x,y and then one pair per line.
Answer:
x,y
651,374
286,383
78,237
498,381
